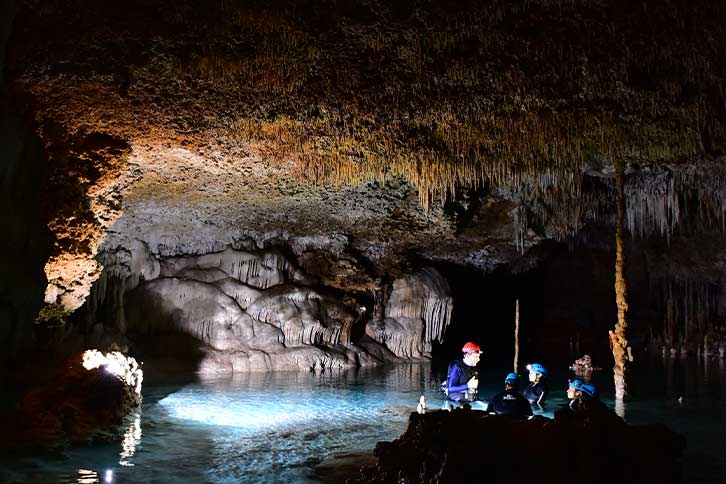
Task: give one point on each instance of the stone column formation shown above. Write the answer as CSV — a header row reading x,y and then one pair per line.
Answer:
x,y
618,342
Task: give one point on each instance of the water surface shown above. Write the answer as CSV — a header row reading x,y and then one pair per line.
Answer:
x,y
279,427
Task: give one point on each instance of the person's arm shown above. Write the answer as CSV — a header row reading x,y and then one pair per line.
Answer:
x,y
454,382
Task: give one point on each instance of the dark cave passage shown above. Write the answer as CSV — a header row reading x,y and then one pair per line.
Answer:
x,y
566,304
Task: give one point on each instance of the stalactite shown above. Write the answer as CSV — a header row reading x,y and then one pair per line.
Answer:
x,y
619,344
652,202
304,316
657,200
516,337
662,199
692,308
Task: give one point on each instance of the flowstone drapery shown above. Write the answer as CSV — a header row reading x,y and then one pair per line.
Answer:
x,y
417,312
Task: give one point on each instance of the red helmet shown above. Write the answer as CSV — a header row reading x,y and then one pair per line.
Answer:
x,y
471,348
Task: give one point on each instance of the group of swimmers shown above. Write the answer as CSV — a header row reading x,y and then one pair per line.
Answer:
x,y
462,385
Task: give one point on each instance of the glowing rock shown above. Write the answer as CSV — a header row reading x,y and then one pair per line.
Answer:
x,y
90,398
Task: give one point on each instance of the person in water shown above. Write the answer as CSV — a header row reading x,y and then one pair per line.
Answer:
x,y
583,396
462,379
510,402
536,391
585,402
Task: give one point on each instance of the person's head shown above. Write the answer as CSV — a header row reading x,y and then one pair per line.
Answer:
x,y
536,372
472,353
511,381
579,389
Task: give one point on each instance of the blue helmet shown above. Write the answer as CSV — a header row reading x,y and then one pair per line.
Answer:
x,y
587,389
511,378
537,369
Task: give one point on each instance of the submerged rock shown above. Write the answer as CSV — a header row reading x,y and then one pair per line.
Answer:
x,y
466,446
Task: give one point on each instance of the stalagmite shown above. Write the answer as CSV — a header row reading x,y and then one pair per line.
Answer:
x,y
618,342
516,337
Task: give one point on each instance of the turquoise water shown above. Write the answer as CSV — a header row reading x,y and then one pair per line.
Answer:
x,y
278,427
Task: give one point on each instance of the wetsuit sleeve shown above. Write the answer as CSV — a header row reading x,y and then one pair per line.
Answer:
x,y
453,383
542,395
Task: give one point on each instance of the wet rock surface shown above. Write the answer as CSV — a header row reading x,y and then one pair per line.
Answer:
x,y
470,446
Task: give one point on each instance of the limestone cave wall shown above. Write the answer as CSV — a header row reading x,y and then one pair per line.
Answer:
x,y
254,309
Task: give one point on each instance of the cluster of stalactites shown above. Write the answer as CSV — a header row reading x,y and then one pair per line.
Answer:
x,y
303,315
554,200
658,200
693,309
257,269
661,200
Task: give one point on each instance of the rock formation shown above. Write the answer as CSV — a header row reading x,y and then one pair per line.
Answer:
x,y
468,446
90,397
256,309
416,314
584,366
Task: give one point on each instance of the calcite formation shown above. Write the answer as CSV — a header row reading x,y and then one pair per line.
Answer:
x,y
417,312
257,310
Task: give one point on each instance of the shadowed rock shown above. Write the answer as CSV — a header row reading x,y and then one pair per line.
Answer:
x,y
466,446
77,405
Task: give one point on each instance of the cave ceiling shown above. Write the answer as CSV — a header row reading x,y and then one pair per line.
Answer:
x,y
377,132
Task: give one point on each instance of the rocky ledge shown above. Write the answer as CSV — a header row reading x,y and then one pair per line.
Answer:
x,y
91,397
468,446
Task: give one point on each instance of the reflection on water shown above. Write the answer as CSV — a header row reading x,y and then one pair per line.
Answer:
x,y
277,427
620,407
131,439
87,477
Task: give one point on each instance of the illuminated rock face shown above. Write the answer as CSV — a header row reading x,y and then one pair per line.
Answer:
x,y
246,310
256,309
90,397
416,314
